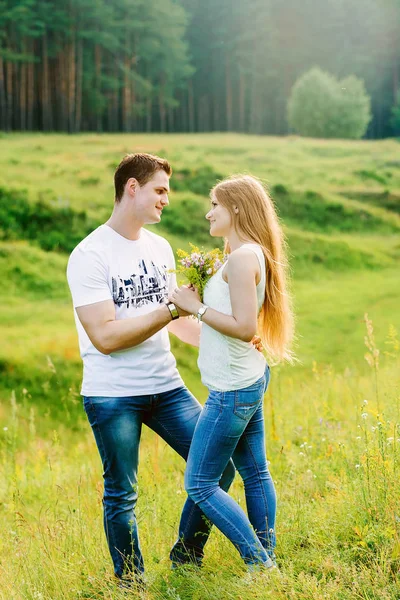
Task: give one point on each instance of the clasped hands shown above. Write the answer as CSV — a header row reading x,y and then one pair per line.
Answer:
x,y
187,300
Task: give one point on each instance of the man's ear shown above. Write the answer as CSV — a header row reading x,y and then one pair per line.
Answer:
x,y
131,186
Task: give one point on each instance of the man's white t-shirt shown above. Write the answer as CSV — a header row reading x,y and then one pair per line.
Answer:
x,y
134,275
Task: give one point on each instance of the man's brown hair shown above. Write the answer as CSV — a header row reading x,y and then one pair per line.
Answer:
x,y
142,167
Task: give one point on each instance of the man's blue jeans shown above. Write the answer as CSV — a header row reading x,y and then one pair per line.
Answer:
x,y
232,425
117,425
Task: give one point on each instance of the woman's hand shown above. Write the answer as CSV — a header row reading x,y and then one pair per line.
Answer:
x,y
187,298
257,343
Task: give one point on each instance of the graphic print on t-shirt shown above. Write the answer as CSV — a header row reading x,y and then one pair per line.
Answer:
x,y
147,286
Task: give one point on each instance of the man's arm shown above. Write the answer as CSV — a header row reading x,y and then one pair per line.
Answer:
x,y
187,330
110,335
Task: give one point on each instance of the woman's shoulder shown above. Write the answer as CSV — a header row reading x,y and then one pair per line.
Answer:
x,y
244,257
246,250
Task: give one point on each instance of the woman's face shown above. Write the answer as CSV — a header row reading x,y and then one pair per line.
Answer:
x,y
219,218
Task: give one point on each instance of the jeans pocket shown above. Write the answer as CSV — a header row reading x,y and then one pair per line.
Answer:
x,y
248,399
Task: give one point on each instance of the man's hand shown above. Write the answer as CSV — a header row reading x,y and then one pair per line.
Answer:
x,y
257,343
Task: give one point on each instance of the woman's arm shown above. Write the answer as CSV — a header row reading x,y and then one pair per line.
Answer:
x,y
241,271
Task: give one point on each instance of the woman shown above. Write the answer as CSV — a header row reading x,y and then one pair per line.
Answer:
x,y
247,293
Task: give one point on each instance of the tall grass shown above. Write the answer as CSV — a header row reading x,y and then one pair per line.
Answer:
x,y
333,441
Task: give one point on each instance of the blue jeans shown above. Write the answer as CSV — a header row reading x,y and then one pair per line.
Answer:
x,y
232,425
117,425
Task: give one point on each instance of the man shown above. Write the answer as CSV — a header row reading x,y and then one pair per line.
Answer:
x,y
119,280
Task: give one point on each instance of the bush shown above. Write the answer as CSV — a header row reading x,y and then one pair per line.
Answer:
x,y
280,189
314,213
383,199
61,228
196,180
334,255
52,227
367,174
187,219
323,107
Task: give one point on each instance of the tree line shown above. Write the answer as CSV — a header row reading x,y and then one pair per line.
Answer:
x,y
187,65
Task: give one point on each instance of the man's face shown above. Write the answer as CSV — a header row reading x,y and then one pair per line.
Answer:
x,y
151,198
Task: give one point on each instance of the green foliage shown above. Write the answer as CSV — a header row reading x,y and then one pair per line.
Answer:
x,y
181,65
395,121
186,219
323,107
90,181
383,199
312,105
369,174
312,212
134,46
353,109
198,180
51,227
307,254
280,190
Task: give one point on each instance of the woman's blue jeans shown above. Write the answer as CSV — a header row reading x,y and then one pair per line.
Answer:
x,y
117,425
232,425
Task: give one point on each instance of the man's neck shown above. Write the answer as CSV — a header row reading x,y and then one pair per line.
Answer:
x,y
124,224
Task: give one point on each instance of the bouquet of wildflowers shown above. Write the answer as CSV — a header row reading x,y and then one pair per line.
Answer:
x,y
199,266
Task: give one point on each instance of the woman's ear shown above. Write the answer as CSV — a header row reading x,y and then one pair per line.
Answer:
x,y
236,210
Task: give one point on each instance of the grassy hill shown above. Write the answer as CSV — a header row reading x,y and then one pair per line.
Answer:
x,y
340,206
344,248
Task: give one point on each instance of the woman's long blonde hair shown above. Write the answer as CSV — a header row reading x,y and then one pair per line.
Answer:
x,y
257,220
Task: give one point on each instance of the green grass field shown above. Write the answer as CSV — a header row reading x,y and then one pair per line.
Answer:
x,y
332,420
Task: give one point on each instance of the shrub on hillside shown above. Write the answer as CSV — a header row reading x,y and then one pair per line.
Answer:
x,y
323,107
314,213
187,219
198,180
306,253
62,228
52,227
385,199
368,174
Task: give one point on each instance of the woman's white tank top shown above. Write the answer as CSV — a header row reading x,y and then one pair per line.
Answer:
x,y
226,363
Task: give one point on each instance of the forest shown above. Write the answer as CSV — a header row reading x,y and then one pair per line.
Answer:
x,y
188,65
